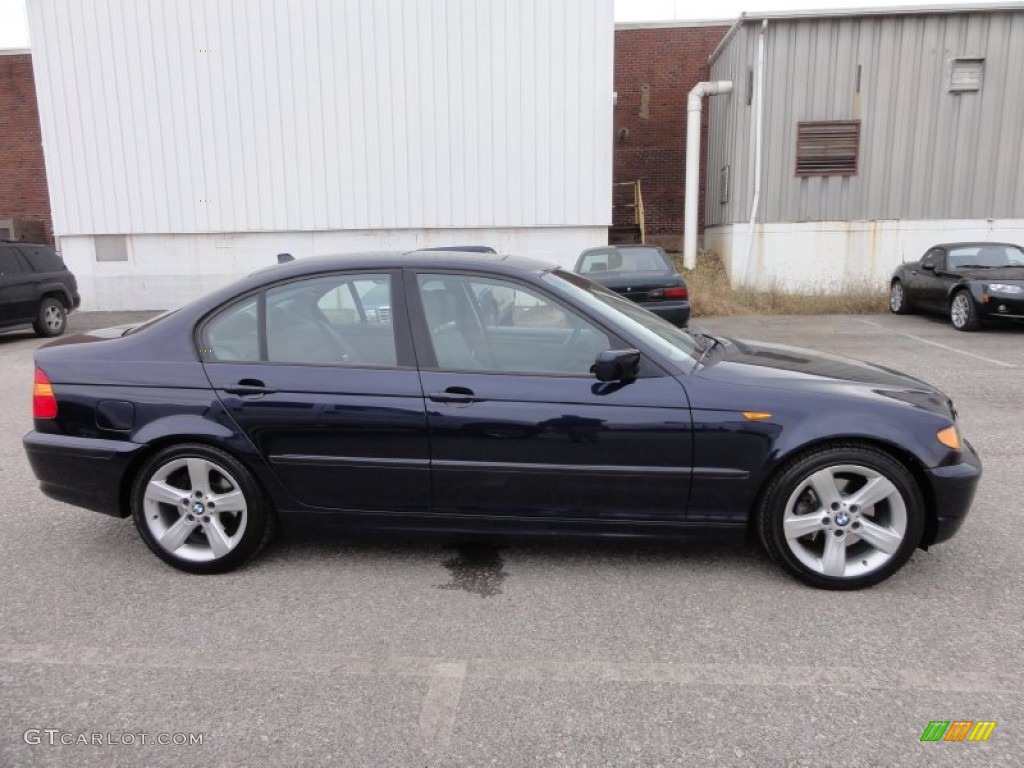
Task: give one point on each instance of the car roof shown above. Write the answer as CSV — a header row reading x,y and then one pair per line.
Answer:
x,y
970,243
623,247
505,263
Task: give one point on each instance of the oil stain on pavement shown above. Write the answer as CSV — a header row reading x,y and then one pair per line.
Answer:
x,y
477,569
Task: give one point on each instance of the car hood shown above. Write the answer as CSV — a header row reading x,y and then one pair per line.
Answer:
x,y
991,274
796,369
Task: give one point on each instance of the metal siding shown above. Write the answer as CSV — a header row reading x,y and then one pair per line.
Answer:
x,y
1009,178
925,153
321,115
730,133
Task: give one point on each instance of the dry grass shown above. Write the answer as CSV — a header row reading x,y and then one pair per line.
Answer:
x,y
711,294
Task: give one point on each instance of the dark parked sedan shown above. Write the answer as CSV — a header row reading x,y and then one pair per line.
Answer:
x,y
642,273
495,394
972,283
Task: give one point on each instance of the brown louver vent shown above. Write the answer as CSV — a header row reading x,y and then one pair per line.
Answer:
x,y
827,148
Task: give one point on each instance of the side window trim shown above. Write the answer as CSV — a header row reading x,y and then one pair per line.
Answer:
x,y
261,325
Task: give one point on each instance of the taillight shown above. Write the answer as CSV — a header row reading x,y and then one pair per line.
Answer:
x,y
44,403
668,293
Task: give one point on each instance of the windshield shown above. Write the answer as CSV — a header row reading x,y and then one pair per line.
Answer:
x,y
675,344
985,255
622,260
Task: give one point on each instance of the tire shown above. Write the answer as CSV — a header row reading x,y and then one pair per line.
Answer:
x,y
810,522
898,303
963,312
51,319
200,510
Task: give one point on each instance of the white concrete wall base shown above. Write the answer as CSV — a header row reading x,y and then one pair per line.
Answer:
x,y
165,271
828,256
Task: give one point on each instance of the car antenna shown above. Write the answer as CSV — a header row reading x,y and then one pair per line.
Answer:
x,y
284,258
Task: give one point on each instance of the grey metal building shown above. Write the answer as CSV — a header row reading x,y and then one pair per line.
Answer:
x,y
853,140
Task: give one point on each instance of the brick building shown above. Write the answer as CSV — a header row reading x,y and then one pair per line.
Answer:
x,y
23,190
656,65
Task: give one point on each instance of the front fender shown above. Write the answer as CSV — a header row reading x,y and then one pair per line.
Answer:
x,y
59,289
734,456
974,287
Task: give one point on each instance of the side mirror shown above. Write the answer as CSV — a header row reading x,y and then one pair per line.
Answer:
x,y
930,266
617,365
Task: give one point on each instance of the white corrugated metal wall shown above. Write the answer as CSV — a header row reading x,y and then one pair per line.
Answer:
x,y
246,116
316,114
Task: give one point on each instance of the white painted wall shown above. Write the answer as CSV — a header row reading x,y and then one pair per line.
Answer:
x,y
165,271
826,256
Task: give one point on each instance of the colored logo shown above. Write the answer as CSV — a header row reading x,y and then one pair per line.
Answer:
x,y
958,730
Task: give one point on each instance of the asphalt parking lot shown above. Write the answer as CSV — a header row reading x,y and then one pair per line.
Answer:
x,y
329,652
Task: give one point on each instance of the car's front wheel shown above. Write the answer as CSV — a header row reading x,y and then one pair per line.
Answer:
x,y
963,313
199,509
898,304
51,318
841,517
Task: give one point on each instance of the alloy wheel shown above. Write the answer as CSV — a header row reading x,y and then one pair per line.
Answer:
x,y
195,509
53,318
896,297
845,521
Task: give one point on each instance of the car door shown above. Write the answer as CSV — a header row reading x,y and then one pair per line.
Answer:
x,y
519,427
18,299
927,284
319,374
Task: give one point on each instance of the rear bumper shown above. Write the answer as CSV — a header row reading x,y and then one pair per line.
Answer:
x,y
82,471
676,312
953,489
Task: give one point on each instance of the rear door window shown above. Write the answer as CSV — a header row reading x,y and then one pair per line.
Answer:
x,y
10,261
343,319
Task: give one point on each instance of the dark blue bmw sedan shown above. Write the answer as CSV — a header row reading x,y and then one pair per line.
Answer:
x,y
476,393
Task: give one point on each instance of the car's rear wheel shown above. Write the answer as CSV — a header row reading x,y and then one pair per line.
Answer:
x,y
51,318
199,509
898,304
963,313
841,517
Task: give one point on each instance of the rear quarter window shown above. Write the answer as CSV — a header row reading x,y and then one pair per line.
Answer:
x,y
41,258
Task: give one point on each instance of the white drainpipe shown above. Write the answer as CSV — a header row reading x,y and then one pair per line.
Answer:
x,y
693,102
758,132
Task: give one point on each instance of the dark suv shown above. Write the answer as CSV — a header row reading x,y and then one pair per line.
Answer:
x,y
36,289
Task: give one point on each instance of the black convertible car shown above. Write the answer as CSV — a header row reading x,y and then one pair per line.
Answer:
x,y
974,283
478,393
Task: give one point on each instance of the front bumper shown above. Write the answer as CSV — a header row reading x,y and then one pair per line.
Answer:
x,y
676,312
999,305
953,490
82,471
